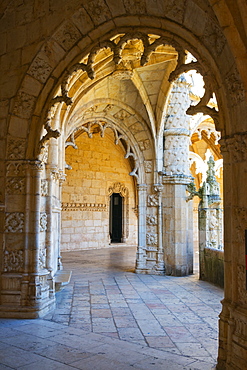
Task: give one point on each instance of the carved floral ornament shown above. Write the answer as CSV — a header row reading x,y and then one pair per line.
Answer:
x,y
13,260
116,46
117,187
14,222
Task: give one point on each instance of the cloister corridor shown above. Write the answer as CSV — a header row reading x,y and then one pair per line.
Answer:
x,y
108,317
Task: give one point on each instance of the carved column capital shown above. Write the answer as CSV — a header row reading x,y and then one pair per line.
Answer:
x,y
36,165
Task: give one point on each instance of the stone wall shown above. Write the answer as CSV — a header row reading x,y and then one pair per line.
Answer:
x,y
97,165
213,267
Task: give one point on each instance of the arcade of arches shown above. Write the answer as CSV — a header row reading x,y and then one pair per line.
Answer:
x,y
106,137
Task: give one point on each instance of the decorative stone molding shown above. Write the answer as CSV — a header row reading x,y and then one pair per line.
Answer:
x,y
148,165
135,7
14,222
241,328
235,87
122,114
36,165
14,169
40,69
152,220
67,35
151,239
144,144
24,105
16,148
136,128
241,279
44,187
118,187
240,222
42,258
175,9
213,36
153,200
236,145
15,185
98,10
43,155
13,261
43,221
97,207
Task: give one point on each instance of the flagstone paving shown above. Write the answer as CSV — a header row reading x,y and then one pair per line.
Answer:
x,y
108,317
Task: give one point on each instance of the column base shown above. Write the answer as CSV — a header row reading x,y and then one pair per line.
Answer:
x,y
10,312
178,270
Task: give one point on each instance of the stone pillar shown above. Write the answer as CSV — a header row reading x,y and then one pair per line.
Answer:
x,y
178,226
233,318
141,248
24,288
177,212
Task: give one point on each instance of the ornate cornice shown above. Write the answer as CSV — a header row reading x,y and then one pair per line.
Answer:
x,y
98,207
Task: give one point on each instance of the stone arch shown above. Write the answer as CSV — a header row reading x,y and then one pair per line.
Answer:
x,y
24,98
76,29
127,126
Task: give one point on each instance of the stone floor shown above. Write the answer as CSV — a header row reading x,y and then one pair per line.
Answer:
x,y
109,318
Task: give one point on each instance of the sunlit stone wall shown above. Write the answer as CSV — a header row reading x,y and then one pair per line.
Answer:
x,y
97,165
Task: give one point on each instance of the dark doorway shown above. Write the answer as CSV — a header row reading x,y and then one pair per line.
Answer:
x,y
116,218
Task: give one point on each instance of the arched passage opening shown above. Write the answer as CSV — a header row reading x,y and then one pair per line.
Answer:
x,y
213,52
97,172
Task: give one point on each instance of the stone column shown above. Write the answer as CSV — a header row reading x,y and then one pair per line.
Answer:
x,y
141,248
233,318
177,212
